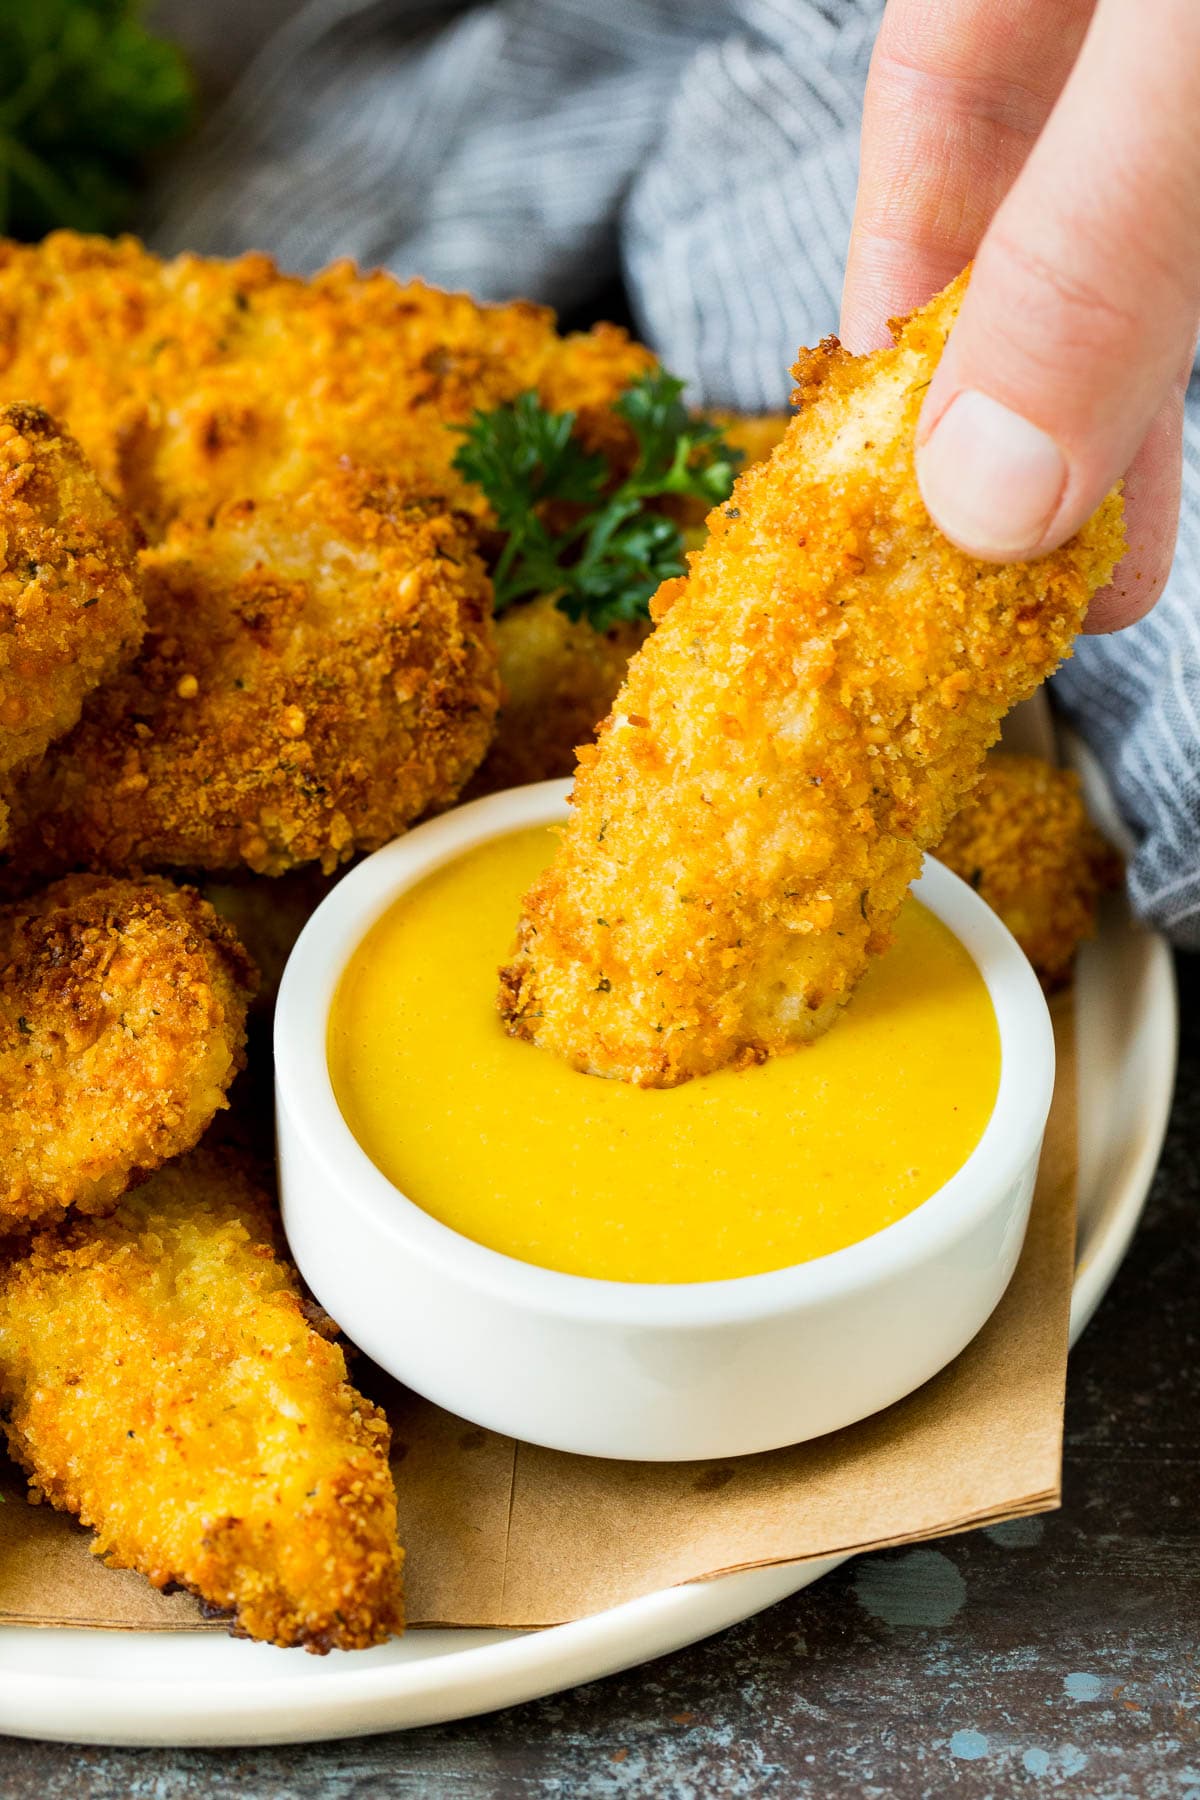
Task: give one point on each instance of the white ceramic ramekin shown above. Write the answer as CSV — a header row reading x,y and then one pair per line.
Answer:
x,y
617,1369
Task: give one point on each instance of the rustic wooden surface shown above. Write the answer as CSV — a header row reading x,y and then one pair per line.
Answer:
x,y
1055,1657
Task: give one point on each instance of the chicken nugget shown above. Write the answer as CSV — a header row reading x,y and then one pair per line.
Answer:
x,y
194,381
1026,845
317,672
813,706
70,597
223,1448
122,1024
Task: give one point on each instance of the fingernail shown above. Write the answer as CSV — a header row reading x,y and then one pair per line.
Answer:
x,y
991,480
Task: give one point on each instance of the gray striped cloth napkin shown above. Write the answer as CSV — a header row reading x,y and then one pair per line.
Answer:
x,y
704,150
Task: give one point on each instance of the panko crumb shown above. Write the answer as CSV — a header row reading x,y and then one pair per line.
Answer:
x,y
559,676
558,679
122,1024
224,1449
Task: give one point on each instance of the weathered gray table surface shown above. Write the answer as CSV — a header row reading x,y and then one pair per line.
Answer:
x,y
1056,1656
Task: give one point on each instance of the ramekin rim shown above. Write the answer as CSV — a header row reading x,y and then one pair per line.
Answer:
x,y
307,1104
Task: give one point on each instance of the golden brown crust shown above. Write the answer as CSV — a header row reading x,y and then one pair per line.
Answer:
x,y
1026,845
122,1023
198,380
70,598
814,704
161,1380
317,672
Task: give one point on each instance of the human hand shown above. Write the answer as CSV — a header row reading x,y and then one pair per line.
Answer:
x,y
1057,142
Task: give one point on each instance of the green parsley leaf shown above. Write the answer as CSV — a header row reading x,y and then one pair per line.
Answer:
x,y
85,92
601,548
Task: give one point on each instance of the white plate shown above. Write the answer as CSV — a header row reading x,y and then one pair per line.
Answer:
x,y
105,1687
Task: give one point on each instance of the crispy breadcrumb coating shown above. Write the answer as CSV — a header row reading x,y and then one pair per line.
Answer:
x,y
317,672
195,381
70,599
160,1379
813,706
1025,843
122,1023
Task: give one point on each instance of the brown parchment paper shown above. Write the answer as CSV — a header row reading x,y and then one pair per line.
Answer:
x,y
501,1533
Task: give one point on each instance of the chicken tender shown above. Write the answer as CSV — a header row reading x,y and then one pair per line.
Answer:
x,y
813,706
1026,845
193,381
122,1024
70,598
317,672
223,1448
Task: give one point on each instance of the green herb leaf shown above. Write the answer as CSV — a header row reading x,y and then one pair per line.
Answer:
x,y
85,92
601,548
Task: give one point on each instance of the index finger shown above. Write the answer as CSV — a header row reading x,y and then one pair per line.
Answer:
x,y
956,95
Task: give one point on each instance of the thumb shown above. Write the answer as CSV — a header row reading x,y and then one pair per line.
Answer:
x,y
1084,298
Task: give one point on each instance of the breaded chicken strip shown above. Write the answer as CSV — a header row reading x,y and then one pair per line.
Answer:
x,y
813,707
122,1023
1025,843
70,599
160,1379
317,672
197,381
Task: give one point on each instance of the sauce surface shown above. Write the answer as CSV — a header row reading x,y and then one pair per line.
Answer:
x,y
731,1174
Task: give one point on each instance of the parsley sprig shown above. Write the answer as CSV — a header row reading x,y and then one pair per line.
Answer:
x,y
599,547
85,92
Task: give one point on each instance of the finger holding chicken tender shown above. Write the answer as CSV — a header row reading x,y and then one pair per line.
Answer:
x,y
223,1448
70,597
122,1024
1026,845
813,706
317,673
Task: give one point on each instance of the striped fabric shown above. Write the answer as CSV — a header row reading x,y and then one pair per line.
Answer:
x,y
1136,698
706,150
